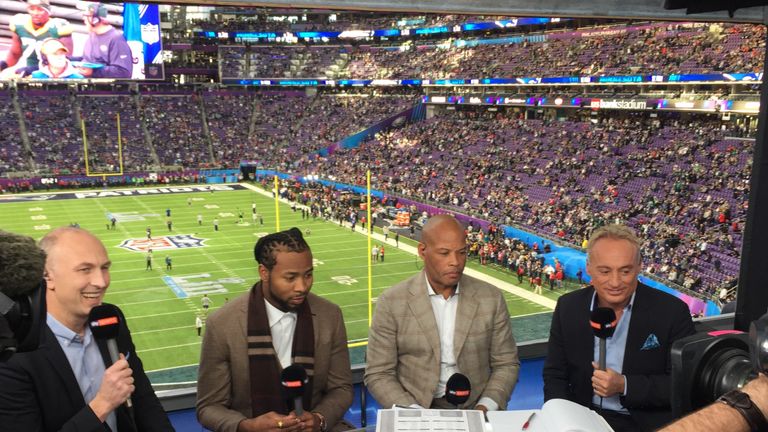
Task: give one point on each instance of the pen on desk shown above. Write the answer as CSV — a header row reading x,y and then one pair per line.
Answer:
x,y
528,422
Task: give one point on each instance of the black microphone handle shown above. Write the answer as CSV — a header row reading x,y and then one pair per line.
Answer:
x,y
114,355
298,406
602,354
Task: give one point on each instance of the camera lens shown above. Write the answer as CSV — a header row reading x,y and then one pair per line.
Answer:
x,y
758,336
726,370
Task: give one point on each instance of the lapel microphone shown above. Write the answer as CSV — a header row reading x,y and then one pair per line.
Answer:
x,y
294,380
457,389
104,321
603,322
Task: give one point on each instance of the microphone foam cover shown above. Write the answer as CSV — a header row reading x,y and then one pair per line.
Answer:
x,y
457,389
104,321
603,322
293,379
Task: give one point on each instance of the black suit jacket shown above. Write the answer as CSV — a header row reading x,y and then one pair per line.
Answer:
x,y
568,368
39,393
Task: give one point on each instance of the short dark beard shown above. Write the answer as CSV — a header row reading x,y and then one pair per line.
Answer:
x,y
271,298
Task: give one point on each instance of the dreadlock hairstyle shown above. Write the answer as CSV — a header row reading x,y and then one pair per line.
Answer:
x,y
283,241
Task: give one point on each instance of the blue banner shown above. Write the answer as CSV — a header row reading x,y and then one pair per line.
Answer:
x,y
149,18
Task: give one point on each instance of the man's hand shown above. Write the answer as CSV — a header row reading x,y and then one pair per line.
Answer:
x,y
482,408
309,422
757,389
86,72
607,383
271,422
116,387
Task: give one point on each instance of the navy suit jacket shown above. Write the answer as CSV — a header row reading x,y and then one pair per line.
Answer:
x,y
39,392
568,368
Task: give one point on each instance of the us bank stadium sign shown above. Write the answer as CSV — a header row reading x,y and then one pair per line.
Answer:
x,y
617,104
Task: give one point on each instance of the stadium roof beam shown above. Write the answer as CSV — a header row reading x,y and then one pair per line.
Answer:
x,y
630,9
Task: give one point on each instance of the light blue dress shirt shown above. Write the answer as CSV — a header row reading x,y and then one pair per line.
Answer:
x,y
614,355
84,359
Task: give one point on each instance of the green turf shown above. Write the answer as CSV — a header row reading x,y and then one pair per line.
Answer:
x,y
163,324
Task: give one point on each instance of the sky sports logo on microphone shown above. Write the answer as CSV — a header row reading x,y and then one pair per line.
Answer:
x,y
293,384
105,322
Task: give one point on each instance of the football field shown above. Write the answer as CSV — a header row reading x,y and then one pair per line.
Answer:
x,y
161,304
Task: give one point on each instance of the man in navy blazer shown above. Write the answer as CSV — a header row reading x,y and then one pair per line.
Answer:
x,y
64,385
633,393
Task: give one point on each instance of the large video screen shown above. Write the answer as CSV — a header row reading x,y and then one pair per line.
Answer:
x,y
70,39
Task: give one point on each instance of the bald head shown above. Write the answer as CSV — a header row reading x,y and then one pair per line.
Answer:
x,y
439,225
76,275
443,248
51,241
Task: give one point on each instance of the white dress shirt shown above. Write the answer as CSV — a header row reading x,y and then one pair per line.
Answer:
x,y
445,316
282,325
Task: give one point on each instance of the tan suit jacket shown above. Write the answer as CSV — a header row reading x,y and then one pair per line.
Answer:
x,y
404,345
224,386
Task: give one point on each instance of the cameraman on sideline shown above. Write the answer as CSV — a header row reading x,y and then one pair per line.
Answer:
x,y
720,416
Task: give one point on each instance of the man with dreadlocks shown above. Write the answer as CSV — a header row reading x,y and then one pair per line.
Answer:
x,y
238,386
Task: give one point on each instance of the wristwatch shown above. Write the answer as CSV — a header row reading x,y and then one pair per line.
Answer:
x,y
323,424
740,401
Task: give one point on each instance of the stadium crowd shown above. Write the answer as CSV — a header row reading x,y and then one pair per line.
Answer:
x,y
657,48
682,184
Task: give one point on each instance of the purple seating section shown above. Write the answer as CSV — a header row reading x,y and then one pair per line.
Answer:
x,y
54,131
175,124
278,61
658,48
12,154
558,179
100,114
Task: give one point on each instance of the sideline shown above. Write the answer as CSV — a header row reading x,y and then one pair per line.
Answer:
x,y
506,286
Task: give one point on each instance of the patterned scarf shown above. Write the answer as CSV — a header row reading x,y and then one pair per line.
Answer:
x,y
266,391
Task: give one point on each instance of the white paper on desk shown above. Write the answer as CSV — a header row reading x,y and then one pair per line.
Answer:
x,y
557,415
560,415
429,420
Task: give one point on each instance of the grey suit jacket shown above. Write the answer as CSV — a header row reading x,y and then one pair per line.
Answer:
x,y
404,345
224,386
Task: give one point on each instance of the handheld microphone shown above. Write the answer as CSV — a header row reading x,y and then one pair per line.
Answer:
x,y
22,294
104,321
294,380
603,322
457,389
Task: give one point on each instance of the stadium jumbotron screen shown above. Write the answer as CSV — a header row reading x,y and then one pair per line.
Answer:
x,y
60,39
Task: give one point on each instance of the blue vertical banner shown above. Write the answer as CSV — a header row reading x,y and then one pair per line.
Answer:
x,y
149,27
132,33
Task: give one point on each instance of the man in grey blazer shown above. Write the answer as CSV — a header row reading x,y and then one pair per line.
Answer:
x,y
438,323
249,341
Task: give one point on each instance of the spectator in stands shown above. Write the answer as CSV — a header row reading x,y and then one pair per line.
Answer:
x,y
411,351
105,48
633,392
239,380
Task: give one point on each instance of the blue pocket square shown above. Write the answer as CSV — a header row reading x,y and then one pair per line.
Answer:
x,y
652,342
